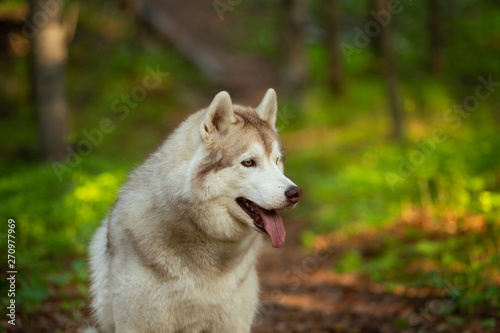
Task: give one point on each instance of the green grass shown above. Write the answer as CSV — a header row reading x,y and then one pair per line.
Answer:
x,y
54,222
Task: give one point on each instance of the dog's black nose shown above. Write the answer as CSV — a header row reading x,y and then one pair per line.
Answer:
x,y
293,194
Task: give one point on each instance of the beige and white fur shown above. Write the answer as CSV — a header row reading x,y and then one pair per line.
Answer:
x,y
177,253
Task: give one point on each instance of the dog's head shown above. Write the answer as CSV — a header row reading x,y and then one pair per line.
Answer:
x,y
242,164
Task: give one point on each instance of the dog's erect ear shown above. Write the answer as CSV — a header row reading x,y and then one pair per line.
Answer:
x,y
218,116
268,108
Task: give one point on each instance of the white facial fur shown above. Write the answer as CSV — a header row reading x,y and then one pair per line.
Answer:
x,y
265,184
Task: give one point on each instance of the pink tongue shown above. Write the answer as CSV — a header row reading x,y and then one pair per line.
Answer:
x,y
273,223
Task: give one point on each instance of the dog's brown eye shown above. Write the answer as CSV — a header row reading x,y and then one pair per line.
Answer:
x,y
277,160
248,163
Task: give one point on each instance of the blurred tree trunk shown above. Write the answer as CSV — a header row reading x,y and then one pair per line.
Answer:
x,y
48,76
160,18
295,70
332,18
390,73
435,30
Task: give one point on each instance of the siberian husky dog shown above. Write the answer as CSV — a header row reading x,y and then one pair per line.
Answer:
x,y
178,250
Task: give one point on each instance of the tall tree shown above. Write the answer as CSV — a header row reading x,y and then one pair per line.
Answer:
x,y
48,70
332,23
295,70
390,72
435,32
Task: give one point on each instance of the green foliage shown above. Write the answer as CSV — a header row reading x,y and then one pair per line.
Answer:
x,y
352,261
456,320
403,324
54,222
449,187
488,323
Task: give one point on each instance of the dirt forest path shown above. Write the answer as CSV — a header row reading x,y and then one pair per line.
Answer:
x,y
301,293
